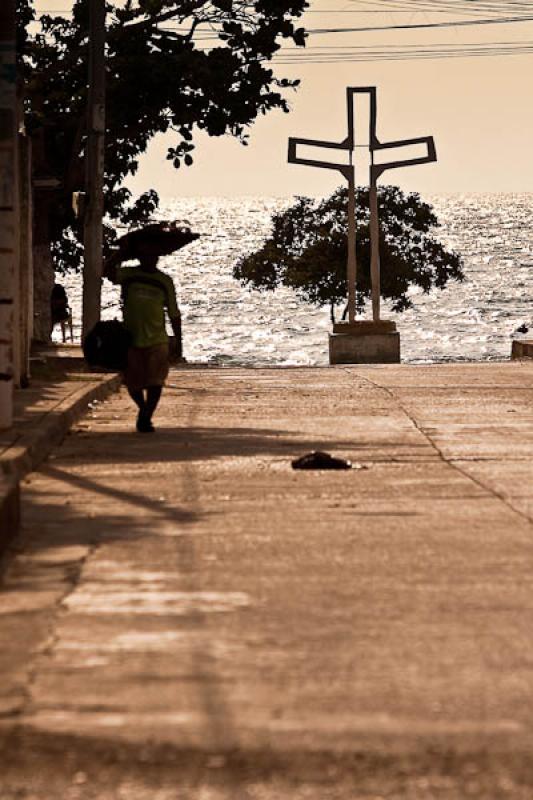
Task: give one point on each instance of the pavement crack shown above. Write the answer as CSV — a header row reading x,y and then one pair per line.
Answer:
x,y
449,461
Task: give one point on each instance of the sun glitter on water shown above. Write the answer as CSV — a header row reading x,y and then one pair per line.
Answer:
x,y
225,323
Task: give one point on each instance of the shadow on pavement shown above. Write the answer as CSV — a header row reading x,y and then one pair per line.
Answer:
x,y
175,514
51,533
204,443
39,766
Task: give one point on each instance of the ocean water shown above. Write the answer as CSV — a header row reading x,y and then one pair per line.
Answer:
x,y
224,323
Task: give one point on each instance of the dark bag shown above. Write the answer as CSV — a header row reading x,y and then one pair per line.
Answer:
x,y
107,344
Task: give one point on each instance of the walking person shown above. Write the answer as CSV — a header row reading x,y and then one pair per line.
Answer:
x,y
147,294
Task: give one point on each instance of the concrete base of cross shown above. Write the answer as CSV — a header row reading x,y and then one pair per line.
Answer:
x,y
364,342
522,349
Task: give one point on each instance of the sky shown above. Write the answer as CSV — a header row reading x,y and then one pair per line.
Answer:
x,y
478,109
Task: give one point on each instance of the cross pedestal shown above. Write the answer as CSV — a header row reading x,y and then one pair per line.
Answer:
x,y
364,342
357,342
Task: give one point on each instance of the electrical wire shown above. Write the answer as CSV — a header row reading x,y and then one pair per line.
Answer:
x,y
472,7
424,25
406,53
400,27
356,53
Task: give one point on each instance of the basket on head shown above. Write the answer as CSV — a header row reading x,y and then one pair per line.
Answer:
x,y
157,239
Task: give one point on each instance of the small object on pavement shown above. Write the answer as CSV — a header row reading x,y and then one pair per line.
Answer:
x,y
522,329
320,460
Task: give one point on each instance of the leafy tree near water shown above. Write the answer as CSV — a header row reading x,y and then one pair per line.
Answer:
x,y
307,250
172,65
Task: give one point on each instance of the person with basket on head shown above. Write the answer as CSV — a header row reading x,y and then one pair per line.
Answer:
x,y
147,293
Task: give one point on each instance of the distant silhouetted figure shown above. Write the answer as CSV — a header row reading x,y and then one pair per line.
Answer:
x,y
60,310
147,294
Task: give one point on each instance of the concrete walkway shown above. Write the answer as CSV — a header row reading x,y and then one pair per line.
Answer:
x,y
190,618
60,391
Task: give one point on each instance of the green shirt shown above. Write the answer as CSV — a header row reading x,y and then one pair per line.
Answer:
x,y
145,296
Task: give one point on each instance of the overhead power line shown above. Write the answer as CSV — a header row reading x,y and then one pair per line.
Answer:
x,y
404,53
315,54
397,27
494,7
424,25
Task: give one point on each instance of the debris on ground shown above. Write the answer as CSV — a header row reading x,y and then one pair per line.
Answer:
x,y
318,459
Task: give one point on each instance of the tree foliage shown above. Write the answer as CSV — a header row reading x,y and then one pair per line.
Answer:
x,y
172,65
307,250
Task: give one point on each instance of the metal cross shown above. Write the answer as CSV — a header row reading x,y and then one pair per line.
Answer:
x,y
376,170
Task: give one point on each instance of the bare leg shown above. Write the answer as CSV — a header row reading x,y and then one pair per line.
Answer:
x,y
146,407
153,395
138,398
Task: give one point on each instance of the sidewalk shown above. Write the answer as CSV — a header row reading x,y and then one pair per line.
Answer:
x,y
60,392
191,619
